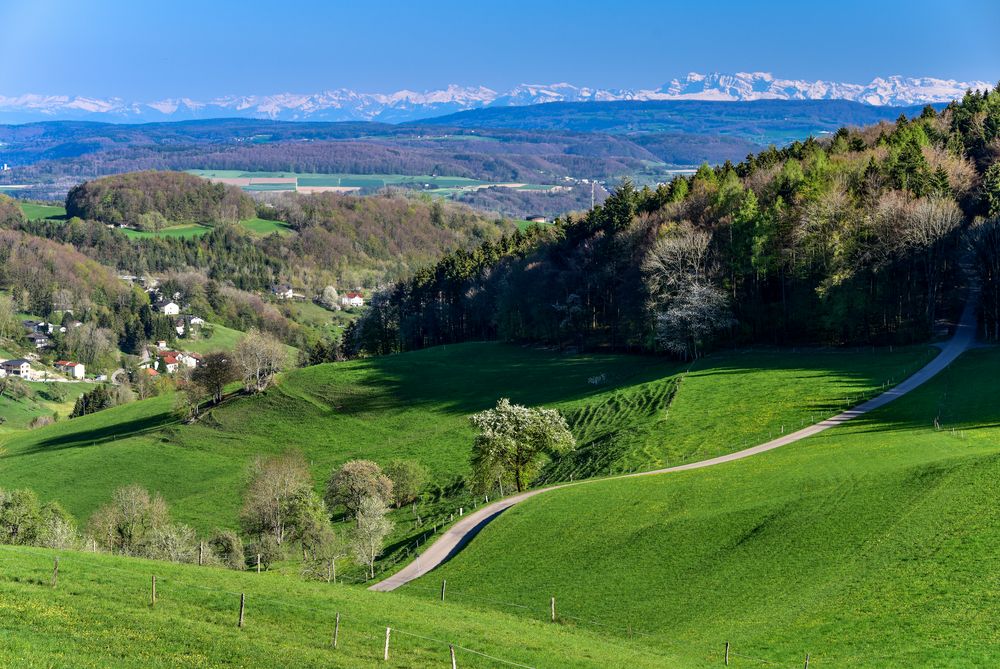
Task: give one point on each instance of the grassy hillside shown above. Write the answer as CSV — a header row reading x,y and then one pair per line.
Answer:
x,y
875,544
416,406
99,616
17,413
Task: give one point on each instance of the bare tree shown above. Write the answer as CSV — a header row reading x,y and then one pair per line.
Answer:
x,y
691,318
126,524
274,484
676,261
370,533
259,357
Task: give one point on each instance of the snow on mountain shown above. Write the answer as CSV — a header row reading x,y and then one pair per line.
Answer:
x,y
348,105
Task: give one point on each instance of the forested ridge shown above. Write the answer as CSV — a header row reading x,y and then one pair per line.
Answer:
x,y
853,239
152,200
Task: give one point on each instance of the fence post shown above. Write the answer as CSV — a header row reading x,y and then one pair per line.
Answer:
x,y
552,605
258,563
201,553
452,649
807,660
243,601
336,631
152,592
727,653
385,655
444,585
55,572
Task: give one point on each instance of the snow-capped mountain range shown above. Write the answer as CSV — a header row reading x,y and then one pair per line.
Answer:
x,y
348,105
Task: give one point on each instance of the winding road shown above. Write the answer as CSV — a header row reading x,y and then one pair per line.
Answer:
x,y
459,534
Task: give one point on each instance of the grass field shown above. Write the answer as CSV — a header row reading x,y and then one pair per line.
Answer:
x,y
36,211
221,339
258,226
876,544
444,186
17,414
100,616
416,406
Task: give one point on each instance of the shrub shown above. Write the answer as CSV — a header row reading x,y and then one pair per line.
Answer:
x,y
227,546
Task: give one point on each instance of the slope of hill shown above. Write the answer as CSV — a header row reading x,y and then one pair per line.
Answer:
x,y
416,406
866,546
99,615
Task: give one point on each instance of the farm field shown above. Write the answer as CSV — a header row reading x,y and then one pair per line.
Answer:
x,y
446,186
874,544
416,406
36,211
257,226
99,615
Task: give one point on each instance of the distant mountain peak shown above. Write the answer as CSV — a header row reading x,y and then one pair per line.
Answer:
x,y
405,105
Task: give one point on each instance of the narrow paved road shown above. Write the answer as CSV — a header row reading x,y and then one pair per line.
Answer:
x,y
452,541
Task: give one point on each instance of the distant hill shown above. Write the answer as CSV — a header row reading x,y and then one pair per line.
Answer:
x,y
764,121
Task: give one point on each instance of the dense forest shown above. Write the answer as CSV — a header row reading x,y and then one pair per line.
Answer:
x,y
856,238
153,200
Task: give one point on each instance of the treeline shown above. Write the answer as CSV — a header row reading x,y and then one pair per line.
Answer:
x,y
853,239
152,200
341,240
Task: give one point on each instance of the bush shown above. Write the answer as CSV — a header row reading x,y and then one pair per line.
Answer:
x,y
227,546
173,543
58,528
268,548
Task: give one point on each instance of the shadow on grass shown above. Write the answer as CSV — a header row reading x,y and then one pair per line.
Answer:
x,y
102,435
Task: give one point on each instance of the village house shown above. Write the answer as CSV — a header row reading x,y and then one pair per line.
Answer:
x,y
168,307
190,360
74,370
282,291
168,361
352,300
16,367
38,340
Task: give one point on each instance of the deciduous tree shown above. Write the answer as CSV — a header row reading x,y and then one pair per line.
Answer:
x,y
514,439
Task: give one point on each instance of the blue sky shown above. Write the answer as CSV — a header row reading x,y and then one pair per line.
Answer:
x,y
145,50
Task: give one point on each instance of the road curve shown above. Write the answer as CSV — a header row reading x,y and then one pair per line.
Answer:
x,y
459,534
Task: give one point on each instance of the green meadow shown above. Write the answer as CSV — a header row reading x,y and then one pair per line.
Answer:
x,y
874,544
99,615
416,406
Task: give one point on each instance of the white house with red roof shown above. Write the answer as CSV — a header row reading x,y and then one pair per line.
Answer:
x,y
74,370
352,299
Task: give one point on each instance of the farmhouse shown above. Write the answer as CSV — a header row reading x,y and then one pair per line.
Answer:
x,y
282,291
74,370
537,219
168,307
189,360
16,367
38,339
352,300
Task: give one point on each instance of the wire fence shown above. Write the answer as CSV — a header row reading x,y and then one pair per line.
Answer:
x,y
380,635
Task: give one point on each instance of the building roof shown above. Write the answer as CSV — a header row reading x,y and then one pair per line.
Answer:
x,y
66,363
17,362
352,295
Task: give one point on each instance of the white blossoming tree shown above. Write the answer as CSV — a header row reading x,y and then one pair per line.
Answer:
x,y
514,439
